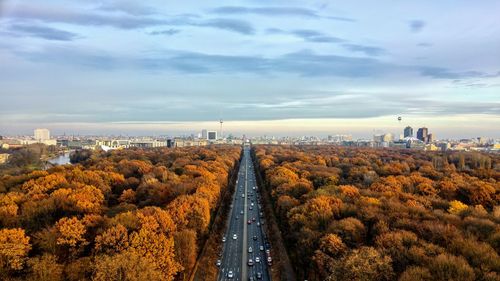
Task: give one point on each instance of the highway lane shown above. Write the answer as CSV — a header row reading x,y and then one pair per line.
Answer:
x,y
246,223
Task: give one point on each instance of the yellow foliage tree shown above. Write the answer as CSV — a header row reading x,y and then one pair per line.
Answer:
x,y
456,207
14,248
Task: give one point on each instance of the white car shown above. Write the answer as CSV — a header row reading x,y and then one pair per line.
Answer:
x,y
224,239
250,249
257,259
230,274
235,236
218,263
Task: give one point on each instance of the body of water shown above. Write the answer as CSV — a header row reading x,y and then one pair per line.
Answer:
x,y
61,159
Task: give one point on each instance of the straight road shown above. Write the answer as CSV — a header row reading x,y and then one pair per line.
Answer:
x,y
245,230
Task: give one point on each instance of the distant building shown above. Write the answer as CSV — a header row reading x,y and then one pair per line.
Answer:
x,y
340,138
408,132
170,143
204,134
41,135
444,146
385,138
430,138
422,134
212,135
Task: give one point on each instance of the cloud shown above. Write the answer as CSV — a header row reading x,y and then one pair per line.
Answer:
x,y
234,25
167,32
303,63
416,25
127,7
315,36
58,15
424,44
368,50
275,11
443,73
42,32
126,21
308,35
266,11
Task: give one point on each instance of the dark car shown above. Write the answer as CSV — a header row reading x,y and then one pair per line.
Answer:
x,y
259,275
255,237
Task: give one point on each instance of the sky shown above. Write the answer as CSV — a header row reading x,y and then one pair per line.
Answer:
x,y
265,67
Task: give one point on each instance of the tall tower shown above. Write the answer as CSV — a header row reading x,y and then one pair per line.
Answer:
x,y
221,135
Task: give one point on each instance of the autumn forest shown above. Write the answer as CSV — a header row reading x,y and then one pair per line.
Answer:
x,y
122,215
382,214
342,213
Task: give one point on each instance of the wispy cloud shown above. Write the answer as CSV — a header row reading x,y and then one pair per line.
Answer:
x,y
315,36
42,32
303,63
416,25
167,32
308,35
424,44
134,8
127,21
275,11
234,25
368,50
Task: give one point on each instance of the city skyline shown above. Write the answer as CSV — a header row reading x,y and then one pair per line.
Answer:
x,y
280,67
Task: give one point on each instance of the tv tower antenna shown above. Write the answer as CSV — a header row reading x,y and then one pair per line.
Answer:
x,y
221,135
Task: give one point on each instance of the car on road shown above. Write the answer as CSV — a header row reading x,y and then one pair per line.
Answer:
x,y
268,251
251,278
230,274
249,222
255,237
253,219
235,236
269,260
250,208
261,248
257,259
259,275
250,262
250,249
218,263
251,204
242,195
224,239
241,212
258,223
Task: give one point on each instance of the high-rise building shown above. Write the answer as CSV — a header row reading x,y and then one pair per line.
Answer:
x,y
212,135
430,138
408,132
41,135
204,134
422,134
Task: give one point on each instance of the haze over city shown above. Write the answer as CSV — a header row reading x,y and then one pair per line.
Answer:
x,y
265,67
